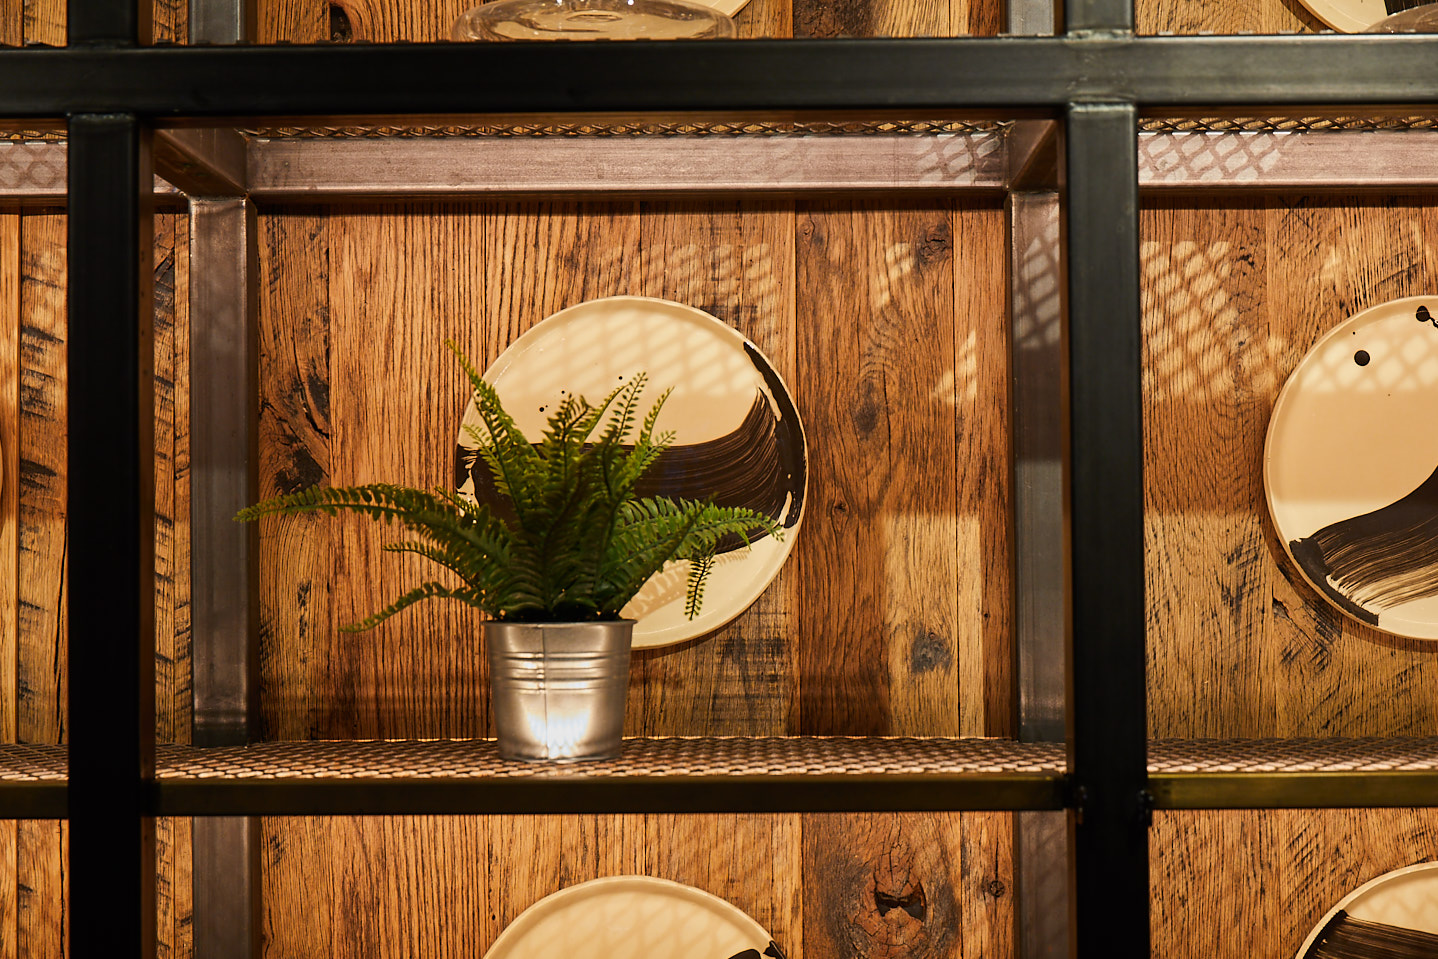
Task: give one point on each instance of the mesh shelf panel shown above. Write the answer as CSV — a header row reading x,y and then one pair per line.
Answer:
x,y
1374,754
1332,123
628,128
641,757
22,763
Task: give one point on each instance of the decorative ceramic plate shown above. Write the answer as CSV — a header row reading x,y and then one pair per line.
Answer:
x,y
1351,467
1350,16
738,438
633,917
1394,915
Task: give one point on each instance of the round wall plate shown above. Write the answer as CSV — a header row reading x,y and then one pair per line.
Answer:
x,y
633,917
1404,900
1348,16
1351,467
738,438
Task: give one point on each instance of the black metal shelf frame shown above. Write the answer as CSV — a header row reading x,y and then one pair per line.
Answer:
x,y
1096,78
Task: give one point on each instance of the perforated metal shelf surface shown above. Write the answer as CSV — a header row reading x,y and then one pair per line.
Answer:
x,y
715,774
1294,773
735,774
723,756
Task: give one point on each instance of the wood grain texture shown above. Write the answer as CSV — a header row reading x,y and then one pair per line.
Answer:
x,y
984,503
40,588
44,21
896,18
293,21
1218,16
388,21
41,865
904,885
735,261
1234,296
12,22
879,557
10,477
1233,884
174,691
392,307
297,701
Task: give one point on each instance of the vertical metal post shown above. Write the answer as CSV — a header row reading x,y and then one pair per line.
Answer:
x,y
1026,18
1038,364
1107,712
1087,16
224,453
222,21
111,574
108,22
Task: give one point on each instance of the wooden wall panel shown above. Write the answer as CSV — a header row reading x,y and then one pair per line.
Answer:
x,y
33,427
40,587
387,21
1219,16
877,564
1234,296
845,887
43,21
886,886
1252,885
733,260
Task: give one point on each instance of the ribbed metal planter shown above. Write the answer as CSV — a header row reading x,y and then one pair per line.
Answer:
x,y
557,689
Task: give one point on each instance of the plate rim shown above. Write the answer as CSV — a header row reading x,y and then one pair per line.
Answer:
x,y
670,886
721,328
1268,455
1336,16
1354,894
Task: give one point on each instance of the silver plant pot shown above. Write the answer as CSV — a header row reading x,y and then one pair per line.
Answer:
x,y
557,689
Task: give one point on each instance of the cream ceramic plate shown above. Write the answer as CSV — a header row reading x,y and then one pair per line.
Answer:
x,y
1349,16
738,438
633,917
1405,899
1351,467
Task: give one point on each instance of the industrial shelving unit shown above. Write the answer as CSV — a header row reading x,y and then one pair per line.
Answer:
x,y
1091,115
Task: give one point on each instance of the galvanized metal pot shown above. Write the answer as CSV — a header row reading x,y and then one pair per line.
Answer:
x,y
557,689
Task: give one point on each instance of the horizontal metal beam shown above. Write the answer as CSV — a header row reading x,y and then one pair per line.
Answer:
x,y
305,169
1386,159
34,171
1294,790
212,162
200,161
629,794
34,800
1000,74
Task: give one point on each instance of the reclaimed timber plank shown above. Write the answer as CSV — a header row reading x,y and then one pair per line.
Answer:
x,y
735,261
297,698
889,885
878,570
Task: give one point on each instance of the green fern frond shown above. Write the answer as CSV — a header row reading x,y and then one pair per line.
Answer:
x,y
579,544
424,591
699,570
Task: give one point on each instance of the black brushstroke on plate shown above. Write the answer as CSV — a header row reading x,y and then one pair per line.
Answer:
x,y
1344,937
772,950
1379,559
759,465
1421,314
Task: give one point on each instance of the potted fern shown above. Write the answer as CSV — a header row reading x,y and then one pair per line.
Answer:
x,y
552,562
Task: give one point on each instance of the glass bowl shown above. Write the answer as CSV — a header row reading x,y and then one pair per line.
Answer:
x,y
1422,19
